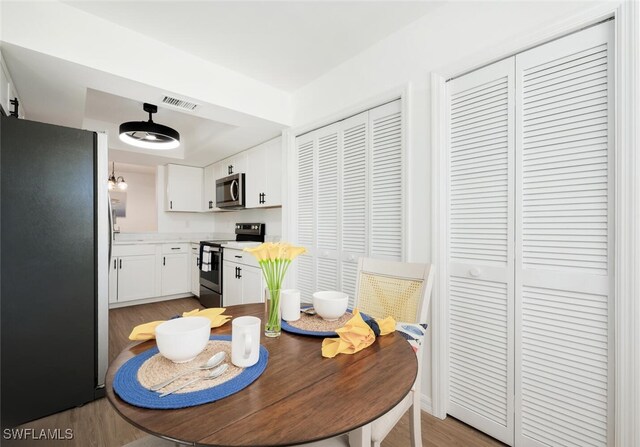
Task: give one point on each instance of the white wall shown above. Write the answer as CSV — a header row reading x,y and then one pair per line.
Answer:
x,y
272,217
174,222
452,34
142,213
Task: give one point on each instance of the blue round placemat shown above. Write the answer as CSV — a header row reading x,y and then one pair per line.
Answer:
x,y
127,386
288,328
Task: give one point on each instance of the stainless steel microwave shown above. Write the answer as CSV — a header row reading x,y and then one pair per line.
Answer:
x,y
230,192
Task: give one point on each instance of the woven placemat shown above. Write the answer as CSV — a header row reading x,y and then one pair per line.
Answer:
x,y
127,385
157,369
316,326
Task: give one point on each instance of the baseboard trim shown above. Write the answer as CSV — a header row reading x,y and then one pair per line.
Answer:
x,y
150,300
425,404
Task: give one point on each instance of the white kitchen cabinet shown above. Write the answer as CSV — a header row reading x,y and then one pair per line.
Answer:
x,y
8,91
264,175
242,281
231,284
176,274
136,277
220,169
234,165
184,188
195,269
252,284
4,89
209,191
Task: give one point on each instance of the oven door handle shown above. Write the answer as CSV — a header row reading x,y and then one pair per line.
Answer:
x,y
234,183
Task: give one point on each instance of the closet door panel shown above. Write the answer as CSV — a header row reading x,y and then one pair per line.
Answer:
x,y
306,217
354,207
563,248
386,184
328,207
480,219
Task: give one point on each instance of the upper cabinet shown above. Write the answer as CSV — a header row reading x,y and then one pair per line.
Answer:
x,y
234,165
264,175
209,192
8,91
184,188
262,166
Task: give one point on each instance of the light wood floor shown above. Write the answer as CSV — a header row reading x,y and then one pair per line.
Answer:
x,y
97,424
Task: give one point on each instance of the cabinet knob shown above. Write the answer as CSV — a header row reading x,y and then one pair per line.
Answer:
x,y
210,204
239,272
164,260
475,272
171,204
120,264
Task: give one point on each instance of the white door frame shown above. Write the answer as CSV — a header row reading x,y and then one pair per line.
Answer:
x,y
627,207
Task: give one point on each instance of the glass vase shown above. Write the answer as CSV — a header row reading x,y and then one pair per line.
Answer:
x,y
272,327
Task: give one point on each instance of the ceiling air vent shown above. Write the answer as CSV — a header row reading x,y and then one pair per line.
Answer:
x,y
179,103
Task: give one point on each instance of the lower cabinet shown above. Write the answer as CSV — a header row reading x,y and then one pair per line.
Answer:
x,y
241,284
176,274
143,271
195,269
132,277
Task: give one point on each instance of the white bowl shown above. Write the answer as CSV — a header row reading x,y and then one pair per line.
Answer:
x,y
330,305
182,339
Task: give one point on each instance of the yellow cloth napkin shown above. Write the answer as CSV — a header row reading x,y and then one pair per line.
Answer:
x,y
147,331
355,335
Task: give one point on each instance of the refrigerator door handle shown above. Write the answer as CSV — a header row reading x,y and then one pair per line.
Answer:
x,y
110,226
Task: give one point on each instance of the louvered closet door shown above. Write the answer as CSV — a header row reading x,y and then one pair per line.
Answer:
x,y
354,213
327,211
481,271
386,190
564,245
306,214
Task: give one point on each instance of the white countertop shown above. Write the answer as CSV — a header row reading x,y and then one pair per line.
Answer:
x,y
240,245
167,238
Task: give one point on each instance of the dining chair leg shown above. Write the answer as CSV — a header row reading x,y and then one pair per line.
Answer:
x,y
360,437
414,422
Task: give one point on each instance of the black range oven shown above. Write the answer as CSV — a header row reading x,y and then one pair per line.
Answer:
x,y
211,273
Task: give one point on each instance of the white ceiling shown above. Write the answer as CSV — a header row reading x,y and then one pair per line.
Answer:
x,y
283,44
67,94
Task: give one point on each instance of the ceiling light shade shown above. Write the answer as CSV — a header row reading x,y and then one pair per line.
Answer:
x,y
114,183
149,135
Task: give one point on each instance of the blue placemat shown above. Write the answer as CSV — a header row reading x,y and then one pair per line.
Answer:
x,y
127,386
288,328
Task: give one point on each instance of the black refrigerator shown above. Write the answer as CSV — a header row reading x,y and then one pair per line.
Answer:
x,y
54,255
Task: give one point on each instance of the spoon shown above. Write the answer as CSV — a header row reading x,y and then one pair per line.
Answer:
x,y
214,361
308,311
212,375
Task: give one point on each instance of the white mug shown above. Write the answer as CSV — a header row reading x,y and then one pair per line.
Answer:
x,y
290,304
245,341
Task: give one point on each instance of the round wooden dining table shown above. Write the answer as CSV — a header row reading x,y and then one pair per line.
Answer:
x,y
301,396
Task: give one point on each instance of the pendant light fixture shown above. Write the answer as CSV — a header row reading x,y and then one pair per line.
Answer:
x,y
149,135
116,183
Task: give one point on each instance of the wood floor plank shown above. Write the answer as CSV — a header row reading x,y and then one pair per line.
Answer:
x,y
98,425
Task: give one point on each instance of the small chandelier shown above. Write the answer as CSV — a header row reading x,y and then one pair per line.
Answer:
x,y
149,135
114,182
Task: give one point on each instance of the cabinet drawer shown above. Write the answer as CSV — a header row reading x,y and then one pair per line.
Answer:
x,y
134,249
241,257
175,248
